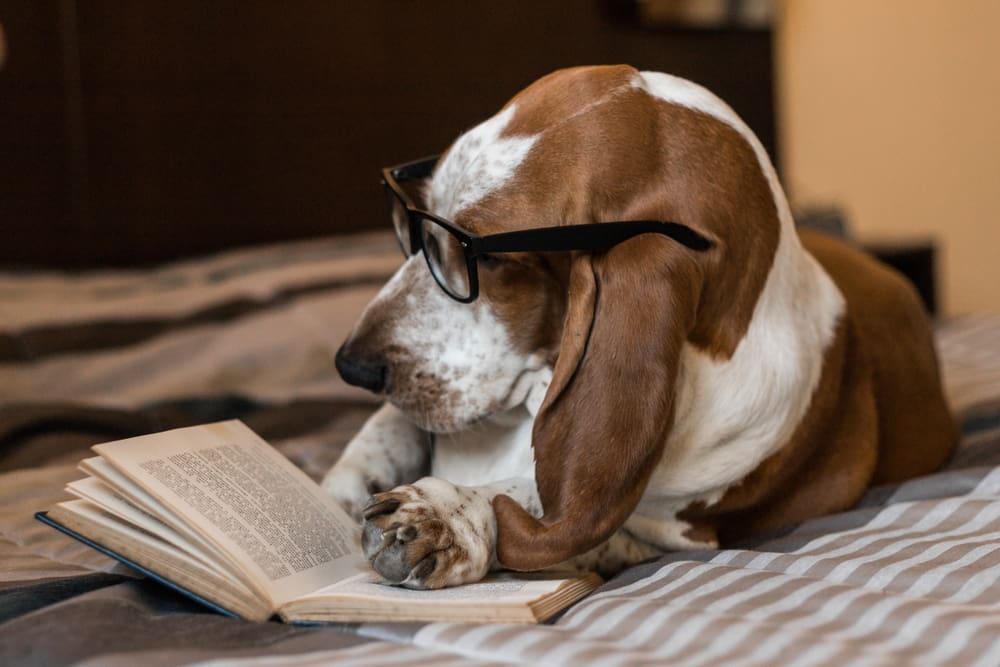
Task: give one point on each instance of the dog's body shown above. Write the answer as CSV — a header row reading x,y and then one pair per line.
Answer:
x,y
603,408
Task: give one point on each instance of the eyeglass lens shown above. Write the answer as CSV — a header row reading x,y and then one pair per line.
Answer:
x,y
442,250
400,220
446,258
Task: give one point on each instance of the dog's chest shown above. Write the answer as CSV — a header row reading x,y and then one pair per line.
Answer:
x,y
491,451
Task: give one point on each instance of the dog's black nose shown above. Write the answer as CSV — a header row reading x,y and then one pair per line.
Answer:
x,y
360,373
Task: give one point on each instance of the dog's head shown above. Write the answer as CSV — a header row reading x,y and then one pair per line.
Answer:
x,y
590,342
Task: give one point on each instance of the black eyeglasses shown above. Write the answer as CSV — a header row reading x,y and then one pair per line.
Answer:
x,y
452,253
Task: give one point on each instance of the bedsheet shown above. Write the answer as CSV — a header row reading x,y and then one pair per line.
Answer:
x,y
909,576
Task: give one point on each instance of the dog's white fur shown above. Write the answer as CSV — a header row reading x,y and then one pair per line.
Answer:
x,y
730,415
480,162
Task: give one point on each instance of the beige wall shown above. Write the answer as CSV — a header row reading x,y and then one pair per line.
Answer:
x,y
891,109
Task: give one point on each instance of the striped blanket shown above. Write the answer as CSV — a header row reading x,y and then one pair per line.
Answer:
x,y
909,576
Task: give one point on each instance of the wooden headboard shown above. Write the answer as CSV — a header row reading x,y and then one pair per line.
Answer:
x,y
136,132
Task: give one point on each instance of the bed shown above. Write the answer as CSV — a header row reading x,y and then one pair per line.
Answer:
x,y
908,576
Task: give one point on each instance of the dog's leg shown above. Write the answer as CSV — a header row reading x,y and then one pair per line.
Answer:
x,y
389,450
432,534
619,551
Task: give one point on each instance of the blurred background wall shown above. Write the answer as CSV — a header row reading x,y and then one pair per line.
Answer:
x,y
141,130
890,109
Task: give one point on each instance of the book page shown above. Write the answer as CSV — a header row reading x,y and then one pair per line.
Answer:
x,y
498,588
98,493
122,486
240,494
132,494
502,597
158,556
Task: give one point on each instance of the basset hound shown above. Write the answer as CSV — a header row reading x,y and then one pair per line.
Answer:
x,y
609,342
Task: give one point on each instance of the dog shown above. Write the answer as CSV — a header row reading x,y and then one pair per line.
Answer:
x,y
593,406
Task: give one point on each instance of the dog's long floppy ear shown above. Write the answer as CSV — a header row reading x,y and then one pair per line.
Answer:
x,y
602,426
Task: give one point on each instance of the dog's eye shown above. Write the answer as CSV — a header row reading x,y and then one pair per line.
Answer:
x,y
433,249
491,261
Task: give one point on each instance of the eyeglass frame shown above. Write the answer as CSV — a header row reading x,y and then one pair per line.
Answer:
x,y
587,236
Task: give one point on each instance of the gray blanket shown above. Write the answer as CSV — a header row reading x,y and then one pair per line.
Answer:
x,y
909,576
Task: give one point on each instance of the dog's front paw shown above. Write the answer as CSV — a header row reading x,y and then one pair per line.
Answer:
x,y
429,534
350,488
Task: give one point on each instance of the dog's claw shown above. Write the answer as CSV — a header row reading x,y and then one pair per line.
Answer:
x,y
379,507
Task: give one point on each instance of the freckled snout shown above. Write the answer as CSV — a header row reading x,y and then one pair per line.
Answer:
x,y
360,371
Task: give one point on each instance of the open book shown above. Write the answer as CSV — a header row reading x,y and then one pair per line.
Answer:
x,y
218,514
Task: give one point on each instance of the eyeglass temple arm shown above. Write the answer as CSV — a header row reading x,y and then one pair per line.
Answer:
x,y
591,236
419,169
